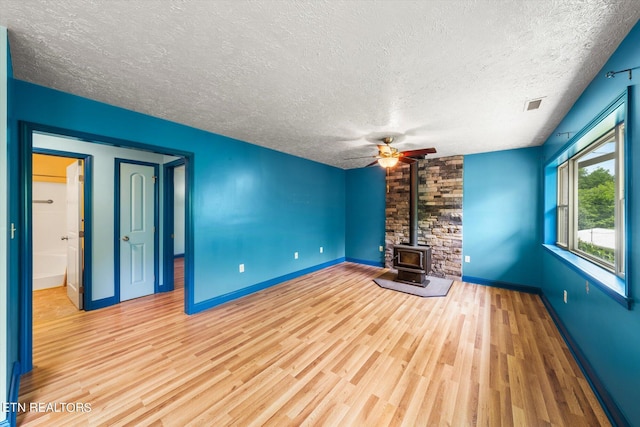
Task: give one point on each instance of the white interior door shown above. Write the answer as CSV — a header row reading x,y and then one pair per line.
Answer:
x,y
137,231
74,233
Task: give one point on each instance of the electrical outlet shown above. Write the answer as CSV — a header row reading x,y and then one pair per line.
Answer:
x,y
586,286
295,255
565,296
321,249
241,268
467,258
381,248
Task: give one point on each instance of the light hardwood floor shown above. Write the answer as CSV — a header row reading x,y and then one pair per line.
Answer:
x,y
329,348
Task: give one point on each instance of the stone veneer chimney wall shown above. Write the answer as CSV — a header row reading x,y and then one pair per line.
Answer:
x,y
439,212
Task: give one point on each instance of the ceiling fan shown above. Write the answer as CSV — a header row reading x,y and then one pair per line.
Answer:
x,y
389,156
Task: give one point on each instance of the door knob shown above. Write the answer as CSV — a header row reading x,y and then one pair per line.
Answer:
x,y
64,238
125,238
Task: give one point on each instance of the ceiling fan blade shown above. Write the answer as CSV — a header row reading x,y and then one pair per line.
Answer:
x,y
407,160
419,153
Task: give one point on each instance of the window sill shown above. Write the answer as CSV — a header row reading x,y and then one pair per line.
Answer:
x,y
606,281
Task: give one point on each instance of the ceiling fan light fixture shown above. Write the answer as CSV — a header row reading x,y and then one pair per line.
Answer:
x,y
388,162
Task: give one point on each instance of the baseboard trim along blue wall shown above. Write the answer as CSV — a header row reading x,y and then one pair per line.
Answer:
x,y
612,410
213,302
504,285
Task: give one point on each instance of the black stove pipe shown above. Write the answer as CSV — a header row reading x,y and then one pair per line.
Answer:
x,y
413,203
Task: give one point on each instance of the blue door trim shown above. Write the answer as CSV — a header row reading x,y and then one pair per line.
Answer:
x,y
168,221
189,172
116,228
167,229
20,205
25,258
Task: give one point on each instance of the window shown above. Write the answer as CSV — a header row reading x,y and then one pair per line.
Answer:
x,y
590,202
563,205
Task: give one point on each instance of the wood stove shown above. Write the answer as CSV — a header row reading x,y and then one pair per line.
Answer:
x,y
412,261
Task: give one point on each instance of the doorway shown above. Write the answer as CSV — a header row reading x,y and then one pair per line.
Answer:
x,y
60,199
175,209
99,200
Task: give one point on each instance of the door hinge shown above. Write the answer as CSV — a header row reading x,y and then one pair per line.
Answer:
x,y
13,231
81,290
80,178
172,236
81,234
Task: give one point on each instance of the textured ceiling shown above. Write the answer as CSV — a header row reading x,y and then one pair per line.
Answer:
x,y
323,79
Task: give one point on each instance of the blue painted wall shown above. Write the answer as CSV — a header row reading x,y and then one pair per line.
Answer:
x,y
251,205
5,357
502,217
607,333
264,207
365,215
13,260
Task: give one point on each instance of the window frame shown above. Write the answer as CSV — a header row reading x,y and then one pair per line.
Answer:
x,y
567,199
562,205
616,287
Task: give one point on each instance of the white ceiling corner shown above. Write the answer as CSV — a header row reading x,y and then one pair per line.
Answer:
x,y
322,80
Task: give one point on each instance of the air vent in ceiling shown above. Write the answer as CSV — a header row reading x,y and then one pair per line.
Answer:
x,y
532,104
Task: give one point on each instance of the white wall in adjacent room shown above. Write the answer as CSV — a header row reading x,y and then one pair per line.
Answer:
x,y
178,212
